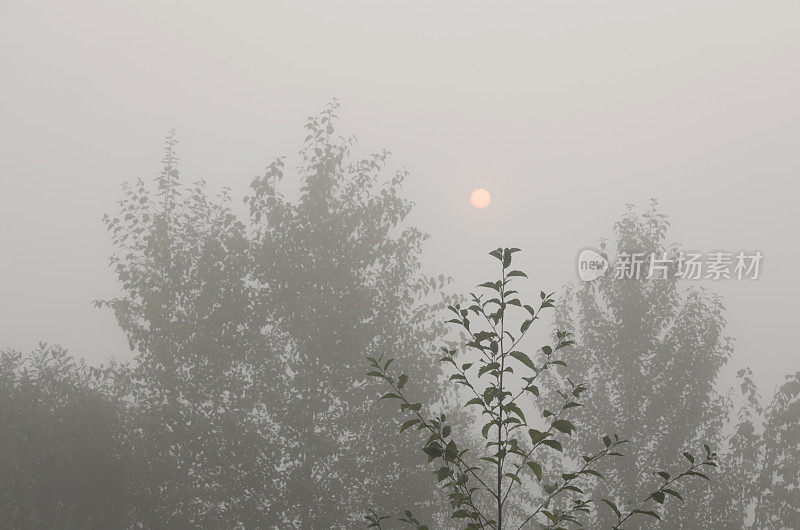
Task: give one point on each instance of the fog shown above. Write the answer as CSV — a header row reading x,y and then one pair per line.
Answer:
x,y
564,111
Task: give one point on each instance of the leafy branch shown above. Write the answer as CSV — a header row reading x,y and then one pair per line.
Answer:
x,y
439,445
666,488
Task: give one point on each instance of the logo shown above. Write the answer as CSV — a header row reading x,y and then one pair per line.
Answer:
x,y
591,265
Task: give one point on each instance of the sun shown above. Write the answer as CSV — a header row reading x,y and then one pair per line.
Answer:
x,y
480,198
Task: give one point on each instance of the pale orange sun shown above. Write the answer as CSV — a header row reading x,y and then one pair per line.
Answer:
x,y
480,198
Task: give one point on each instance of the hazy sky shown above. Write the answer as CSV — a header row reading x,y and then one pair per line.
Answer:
x,y
564,111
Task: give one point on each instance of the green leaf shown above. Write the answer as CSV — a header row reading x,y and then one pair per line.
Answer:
x,y
673,493
489,394
433,451
516,273
491,285
408,424
533,389
524,359
648,512
488,367
442,473
485,430
514,477
402,380
612,506
564,426
536,468
390,395
512,407
483,335
451,451
474,401
537,436
555,444
658,496
698,474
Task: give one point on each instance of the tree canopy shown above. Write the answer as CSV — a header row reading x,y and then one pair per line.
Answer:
x,y
652,350
246,391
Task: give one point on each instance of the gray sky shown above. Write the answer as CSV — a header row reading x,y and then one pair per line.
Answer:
x,y
565,111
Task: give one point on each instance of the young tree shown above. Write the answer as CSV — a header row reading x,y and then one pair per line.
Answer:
x,y
651,353
339,270
498,376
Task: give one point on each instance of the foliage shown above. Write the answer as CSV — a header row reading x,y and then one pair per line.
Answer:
x,y
651,352
340,269
499,377
765,452
247,404
63,463
200,388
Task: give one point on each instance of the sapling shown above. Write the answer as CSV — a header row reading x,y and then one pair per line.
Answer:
x,y
499,378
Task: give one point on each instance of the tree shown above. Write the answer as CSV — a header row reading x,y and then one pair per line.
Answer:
x,y
63,461
201,386
498,376
660,384
763,486
651,353
340,270
248,404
